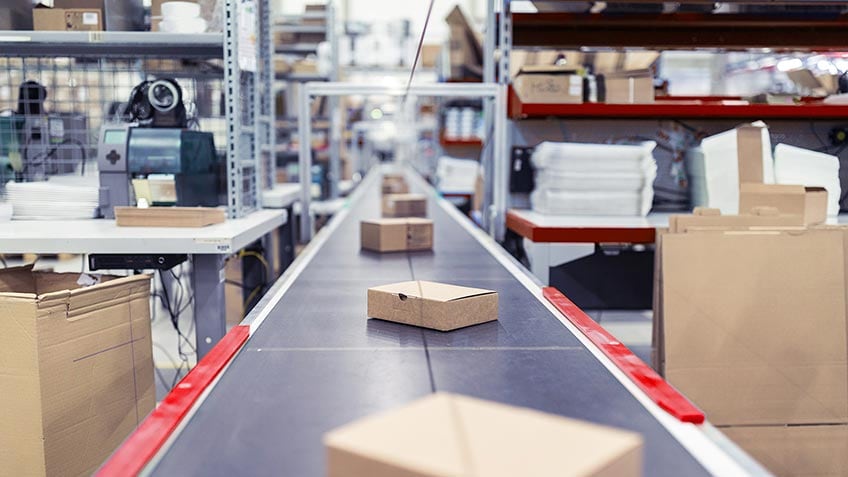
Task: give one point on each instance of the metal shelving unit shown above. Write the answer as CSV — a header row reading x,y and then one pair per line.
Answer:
x,y
107,63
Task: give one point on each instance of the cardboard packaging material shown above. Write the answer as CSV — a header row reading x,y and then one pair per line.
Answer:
x,y
466,49
438,306
404,205
445,435
734,157
754,323
795,450
396,235
549,84
67,19
76,369
395,184
169,216
711,219
807,202
629,87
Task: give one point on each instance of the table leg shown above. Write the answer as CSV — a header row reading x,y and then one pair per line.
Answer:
x,y
210,317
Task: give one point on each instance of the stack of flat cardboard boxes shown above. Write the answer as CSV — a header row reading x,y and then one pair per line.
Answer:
x,y
750,324
404,226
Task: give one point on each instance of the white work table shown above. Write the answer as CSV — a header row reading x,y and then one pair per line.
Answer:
x,y
550,240
208,248
104,236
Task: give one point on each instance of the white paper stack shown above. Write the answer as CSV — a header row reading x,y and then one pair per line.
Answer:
x,y
795,165
720,169
52,201
594,179
456,175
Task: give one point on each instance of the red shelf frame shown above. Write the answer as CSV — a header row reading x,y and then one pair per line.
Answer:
x,y
542,234
680,31
675,109
459,142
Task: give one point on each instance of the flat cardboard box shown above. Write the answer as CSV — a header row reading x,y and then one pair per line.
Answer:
x,y
445,435
396,235
711,219
76,369
404,205
438,306
168,216
754,323
807,202
551,85
629,87
67,19
795,450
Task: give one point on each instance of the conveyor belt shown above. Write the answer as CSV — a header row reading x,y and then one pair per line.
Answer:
x,y
316,362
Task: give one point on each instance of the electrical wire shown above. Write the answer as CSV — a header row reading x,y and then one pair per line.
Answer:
x,y
418,51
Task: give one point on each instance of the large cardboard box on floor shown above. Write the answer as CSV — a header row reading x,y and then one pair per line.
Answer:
x,y
754,324
796,450
76,369
404,205
396,235
438,306
445,435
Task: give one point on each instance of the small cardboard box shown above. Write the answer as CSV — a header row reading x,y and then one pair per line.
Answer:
x,y
795,450
807,202
404,205
438,306
67,19
76,369
629,87
549,84
396,235
395,184
445,435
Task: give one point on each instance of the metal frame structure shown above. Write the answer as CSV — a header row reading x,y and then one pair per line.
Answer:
x,y
312,90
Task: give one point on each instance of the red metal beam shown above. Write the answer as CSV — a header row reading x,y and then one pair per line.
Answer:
x,y
543,234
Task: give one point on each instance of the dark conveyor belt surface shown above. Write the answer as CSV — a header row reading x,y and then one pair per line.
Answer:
x,y
316,362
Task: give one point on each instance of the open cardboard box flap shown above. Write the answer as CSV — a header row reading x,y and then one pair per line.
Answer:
x,y
448,435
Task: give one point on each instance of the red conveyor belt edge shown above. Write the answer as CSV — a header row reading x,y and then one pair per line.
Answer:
x,y
651,383
140,447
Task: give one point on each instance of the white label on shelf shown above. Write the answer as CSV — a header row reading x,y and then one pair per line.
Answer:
x,y
247,23
90,18
575,90
221,245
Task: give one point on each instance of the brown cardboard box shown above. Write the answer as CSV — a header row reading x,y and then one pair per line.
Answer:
x,y
629,87
432,305
396,235
76,369
466,50
754,323
711,219
449,435
807,202
430,55
404,205
395,185
67,19
796,450
552,85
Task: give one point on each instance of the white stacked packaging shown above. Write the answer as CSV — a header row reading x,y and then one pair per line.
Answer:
x,y
594,179
52,200
456,175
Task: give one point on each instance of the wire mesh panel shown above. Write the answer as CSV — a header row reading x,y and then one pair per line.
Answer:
x,y
52,108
